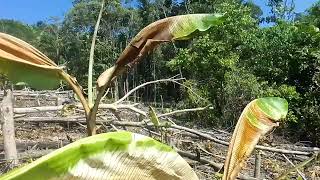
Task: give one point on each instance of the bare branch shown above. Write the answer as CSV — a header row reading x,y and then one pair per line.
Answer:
x,y
216,166
114,127
57,108
299,172
190,89
37,109
145,84
284,151
300,165
123,106
214,155
185,110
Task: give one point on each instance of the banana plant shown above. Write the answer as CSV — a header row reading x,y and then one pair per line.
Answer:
x,y
258,117
21,62
115,155
173,28
153,117
134,156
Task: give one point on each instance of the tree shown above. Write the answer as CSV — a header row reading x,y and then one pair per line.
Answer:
x,y
18,29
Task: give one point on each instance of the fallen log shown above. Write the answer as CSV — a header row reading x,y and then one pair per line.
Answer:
x,y
130,107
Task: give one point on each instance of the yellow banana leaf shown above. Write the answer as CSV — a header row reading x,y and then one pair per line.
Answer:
x,y
258,117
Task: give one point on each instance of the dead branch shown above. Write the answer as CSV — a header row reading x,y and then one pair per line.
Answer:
x,y
19,116
202,149
185,110
130,107
145,84
37,109
52,119
57,108
37,93
299,172
216,166
300,165
284,151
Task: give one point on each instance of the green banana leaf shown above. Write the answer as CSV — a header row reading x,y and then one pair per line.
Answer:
x,y
116,155
165,30
153,117
21,62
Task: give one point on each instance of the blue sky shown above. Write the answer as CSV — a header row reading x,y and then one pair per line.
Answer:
x,y
300,5
31,11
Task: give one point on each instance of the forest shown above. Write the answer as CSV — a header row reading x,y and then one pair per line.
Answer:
x,y
235,62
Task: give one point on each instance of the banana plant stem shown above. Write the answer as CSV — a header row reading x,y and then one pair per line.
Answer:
x,y
77,90
91,58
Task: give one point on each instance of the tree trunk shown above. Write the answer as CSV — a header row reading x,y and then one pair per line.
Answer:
x,y
6,118
155,85
133,86
116,89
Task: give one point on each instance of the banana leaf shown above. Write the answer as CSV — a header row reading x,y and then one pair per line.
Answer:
x,y
165,30
259,117
153,117
21,62
116,155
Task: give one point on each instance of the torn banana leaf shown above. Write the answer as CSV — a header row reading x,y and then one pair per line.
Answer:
x,y
113,156
258,118
21,62
165,30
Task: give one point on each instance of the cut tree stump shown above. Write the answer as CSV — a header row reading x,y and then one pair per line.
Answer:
x,y
6,119
257,167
